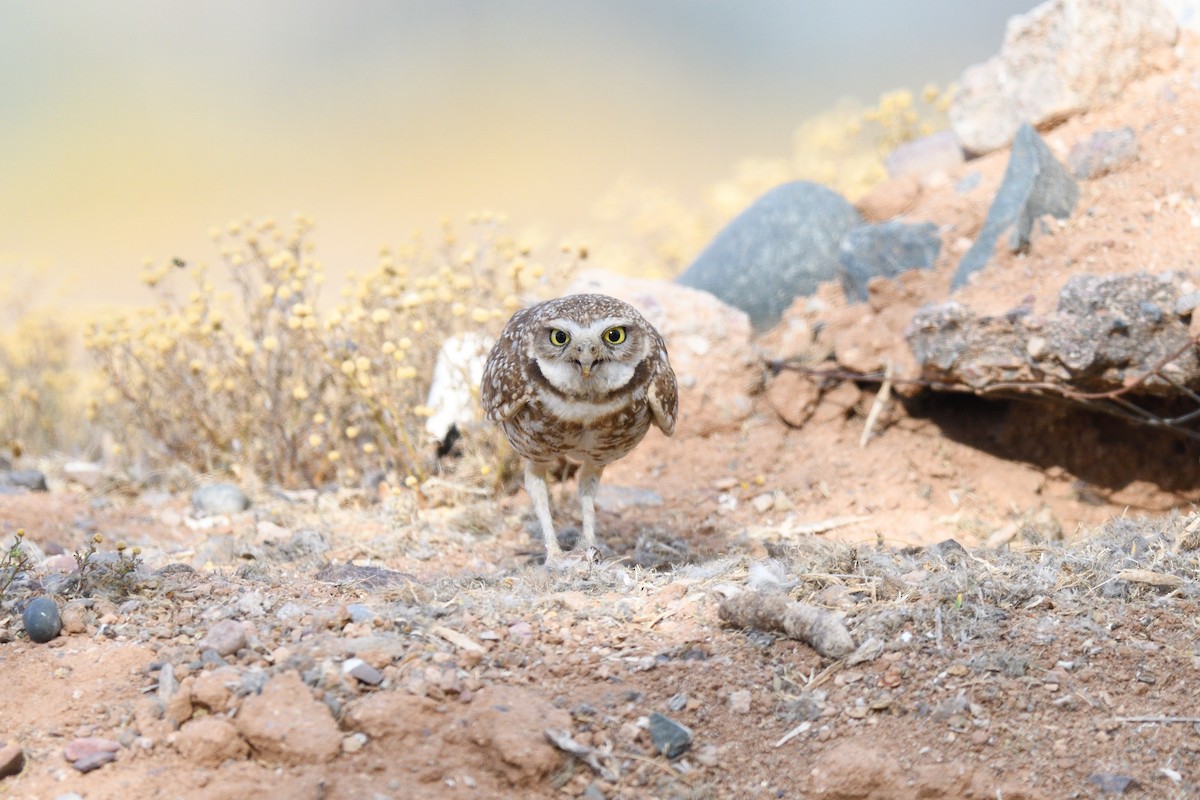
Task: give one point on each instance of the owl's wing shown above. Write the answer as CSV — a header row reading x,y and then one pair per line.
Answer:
x,y
503,391
663,394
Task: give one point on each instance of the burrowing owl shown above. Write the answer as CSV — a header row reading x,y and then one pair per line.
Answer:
x,y
582,377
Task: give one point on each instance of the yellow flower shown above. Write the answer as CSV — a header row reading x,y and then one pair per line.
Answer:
x,y
406,373
380,316
480,315
315,440
352,432
270,344
388,347
300,393
362,364
348,367
318,418
458,310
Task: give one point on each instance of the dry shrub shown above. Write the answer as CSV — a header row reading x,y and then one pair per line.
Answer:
x,y
40,383
264,380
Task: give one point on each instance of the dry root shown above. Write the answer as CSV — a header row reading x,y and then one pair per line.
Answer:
x,y
771,611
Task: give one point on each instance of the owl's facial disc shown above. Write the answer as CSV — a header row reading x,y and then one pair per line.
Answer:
x,y
589,359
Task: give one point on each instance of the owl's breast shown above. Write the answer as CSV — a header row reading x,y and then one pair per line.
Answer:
x,y
597,438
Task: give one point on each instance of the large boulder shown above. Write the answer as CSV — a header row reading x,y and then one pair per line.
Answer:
x,y
781,247
1056,61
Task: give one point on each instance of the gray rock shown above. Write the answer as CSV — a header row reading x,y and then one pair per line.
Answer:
x,y
94,761
168,684
677,702
1057,60
1105,330
226,637
1102,153
360,613
42,620
669,737
304,542
362,672
886,249
1111,783
1034,184
937,151
780,248
219,498
31,479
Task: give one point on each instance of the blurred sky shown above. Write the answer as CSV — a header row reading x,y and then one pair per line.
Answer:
x,y
128,127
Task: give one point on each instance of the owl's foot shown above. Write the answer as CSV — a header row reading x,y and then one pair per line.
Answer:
x,y
572,560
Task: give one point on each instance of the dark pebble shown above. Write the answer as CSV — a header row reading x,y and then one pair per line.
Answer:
x,y
42,620
12,760
669,737
94,761
31,479
363,672
1112,784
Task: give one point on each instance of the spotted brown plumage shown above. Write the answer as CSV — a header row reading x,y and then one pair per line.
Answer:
x,y
581,377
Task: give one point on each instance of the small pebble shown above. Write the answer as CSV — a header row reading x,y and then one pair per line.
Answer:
x,y
677,702
362,671
42,620
669,737
12,760
226,637
219,498
86,746
1111,783
94,761
354,742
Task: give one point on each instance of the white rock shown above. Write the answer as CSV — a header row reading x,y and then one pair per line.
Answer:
x,y
454,390
85,473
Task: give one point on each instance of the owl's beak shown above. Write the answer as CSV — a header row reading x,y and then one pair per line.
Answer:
x,y
586,369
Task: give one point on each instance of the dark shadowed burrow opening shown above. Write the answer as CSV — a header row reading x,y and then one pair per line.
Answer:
x,y
1102,450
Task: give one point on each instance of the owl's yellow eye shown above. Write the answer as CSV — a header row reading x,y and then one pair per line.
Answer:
x,y
560,338
615,335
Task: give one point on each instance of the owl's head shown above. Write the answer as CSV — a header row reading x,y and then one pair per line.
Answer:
x,y
588,344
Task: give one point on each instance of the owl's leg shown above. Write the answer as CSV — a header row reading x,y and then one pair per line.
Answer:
x,y
589,482
539,494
